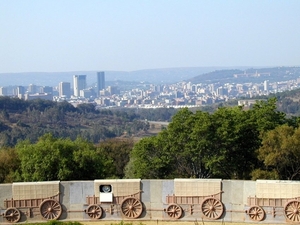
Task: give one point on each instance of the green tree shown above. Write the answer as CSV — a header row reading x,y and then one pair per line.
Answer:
x,y
9,164
59,159
186,141
266,115
280,154
148,160
116,151
221,144
233,141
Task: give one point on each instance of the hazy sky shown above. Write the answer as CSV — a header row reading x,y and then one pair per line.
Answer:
x,y
72,35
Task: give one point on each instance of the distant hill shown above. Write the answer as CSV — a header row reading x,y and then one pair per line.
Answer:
x,y
248,75
158,76
155,76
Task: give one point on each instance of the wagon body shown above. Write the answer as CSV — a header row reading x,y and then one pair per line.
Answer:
x,y
115,196
189,193
282,196
33,198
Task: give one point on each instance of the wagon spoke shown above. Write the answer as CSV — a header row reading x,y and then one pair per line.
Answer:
x,y
94,211
174,211
50,209
131,207
292,211
256,213
12,215
212,208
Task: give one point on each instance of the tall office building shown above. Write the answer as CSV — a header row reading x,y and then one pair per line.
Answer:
x,y
100,82
46,89
32,89
64,89
266,85
3,91
79,83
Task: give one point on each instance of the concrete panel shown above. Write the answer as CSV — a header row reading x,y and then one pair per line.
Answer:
x,y
79,190
156,191
145,195
249,190
5,193
167,189
65,199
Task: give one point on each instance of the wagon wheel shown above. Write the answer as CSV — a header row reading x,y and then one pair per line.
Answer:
x,y
292,211
174,211
50,209
94,211
256,213
131,208
212,208
12,215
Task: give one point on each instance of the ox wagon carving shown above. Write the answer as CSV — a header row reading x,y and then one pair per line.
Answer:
x,y
282,196
33,198
200,192
115,196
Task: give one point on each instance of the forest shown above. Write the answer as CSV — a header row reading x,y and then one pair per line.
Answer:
x,y
20,120
44,140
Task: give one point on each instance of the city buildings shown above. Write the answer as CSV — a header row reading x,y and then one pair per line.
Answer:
x,y
142,95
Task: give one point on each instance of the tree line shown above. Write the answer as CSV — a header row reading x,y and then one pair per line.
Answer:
x,y
52,158
230,143
20,120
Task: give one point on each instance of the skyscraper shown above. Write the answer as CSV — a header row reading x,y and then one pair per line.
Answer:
x,y
100,82
32,89
64,89
79,83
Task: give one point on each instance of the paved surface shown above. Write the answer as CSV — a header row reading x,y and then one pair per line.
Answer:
x,y
139,222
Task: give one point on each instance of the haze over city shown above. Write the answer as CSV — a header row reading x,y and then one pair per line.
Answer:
x,y
71,35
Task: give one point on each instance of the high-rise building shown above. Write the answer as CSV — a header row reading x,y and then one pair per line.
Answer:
x,y
32,89
64,89
3,91
20,90
46,89
266,85
100,82
79,83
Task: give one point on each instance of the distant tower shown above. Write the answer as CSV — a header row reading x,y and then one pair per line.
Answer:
x,y
64,89
46,89
100,82
20,90
3,91
79,82
266,85
32,89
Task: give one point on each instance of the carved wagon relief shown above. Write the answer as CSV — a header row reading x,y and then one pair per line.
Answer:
x,y
33,198
190,192
282,196
115,196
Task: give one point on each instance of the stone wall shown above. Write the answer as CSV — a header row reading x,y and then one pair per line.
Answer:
x,y
178,199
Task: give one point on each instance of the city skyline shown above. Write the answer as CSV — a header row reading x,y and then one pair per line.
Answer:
x,y
194,93
74,35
